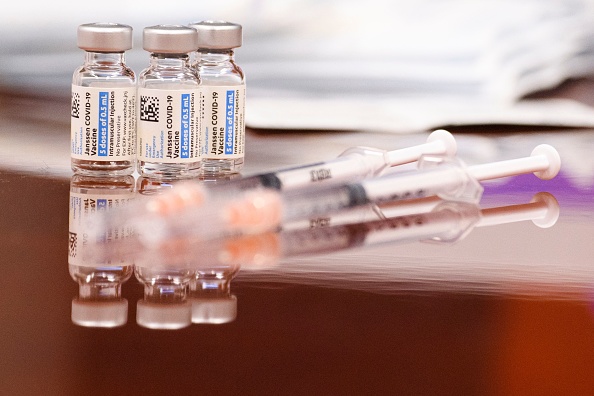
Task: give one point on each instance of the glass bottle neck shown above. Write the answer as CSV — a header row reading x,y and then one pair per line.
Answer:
x,y
165,293
210,287
172,61
214,56
100,291
105,58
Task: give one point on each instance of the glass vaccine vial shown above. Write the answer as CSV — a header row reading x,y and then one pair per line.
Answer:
x,y
168,119
103,105
223,96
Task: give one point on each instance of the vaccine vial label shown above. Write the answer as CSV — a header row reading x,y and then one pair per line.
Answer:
x,y
103,123
223,111
82,238
169,125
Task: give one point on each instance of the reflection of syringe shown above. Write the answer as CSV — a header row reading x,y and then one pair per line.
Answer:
x,y
447,222
365,213
170,216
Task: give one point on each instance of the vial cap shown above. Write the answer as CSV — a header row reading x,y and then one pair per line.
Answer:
x,y
170,39
218,34
104,37
163,316
214,310
99,314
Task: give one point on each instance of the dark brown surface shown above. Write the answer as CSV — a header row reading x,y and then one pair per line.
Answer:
x,y
288,338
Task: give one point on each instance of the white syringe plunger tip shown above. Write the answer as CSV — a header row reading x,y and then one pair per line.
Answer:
x,y
553,159
552,213
447,139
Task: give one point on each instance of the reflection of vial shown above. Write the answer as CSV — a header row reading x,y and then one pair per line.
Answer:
x,y
99,303
164,305
210,295
214,179
103,118
168,113
149,186
223,96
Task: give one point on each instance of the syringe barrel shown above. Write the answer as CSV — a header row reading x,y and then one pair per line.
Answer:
x,y
444,180
309,203
349,167
352,166
441,180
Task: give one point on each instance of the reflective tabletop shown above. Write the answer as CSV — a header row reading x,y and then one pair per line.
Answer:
x,y
429,297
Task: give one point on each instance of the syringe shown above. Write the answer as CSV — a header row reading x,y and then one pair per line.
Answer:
x,y
172,215
353,164
447,178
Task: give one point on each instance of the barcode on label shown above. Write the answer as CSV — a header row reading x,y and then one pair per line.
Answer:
x,y
75,105
72,244
149,108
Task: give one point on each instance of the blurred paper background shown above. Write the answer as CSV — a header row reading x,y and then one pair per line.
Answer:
x,y
375,65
